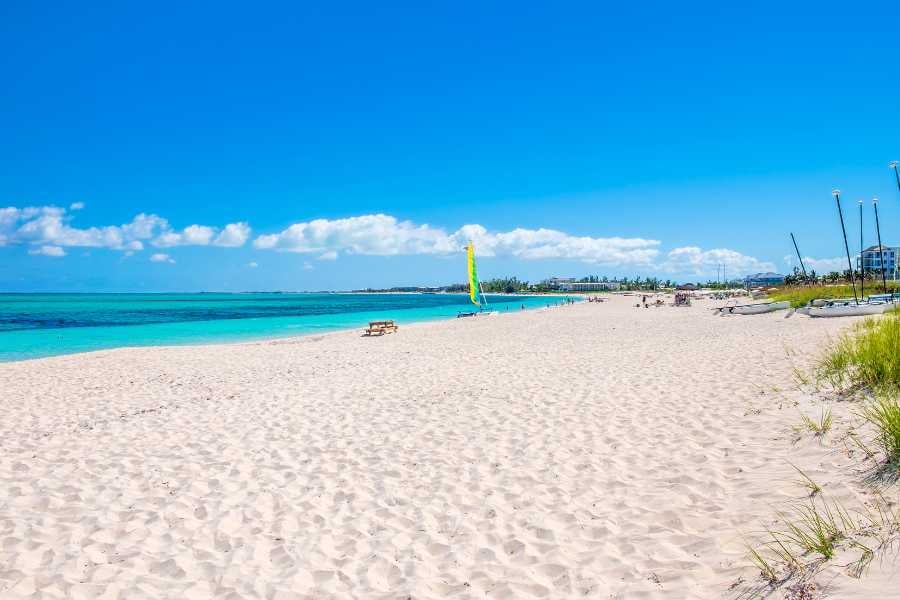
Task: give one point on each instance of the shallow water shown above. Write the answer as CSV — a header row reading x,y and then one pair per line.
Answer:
x,y
36,325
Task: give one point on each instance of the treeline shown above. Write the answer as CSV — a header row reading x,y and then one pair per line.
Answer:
x,y
833,277
514,285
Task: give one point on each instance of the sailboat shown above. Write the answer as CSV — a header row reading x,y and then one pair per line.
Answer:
x,y
476,293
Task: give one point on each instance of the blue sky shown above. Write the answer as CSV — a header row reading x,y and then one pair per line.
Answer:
x,y
351,146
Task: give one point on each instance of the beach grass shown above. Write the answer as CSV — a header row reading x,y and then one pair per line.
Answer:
x,y
816,530
883,412
806,481
821,426
866,356
802,295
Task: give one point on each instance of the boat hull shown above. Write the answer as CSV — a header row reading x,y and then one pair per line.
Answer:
x,y
849,310
755,309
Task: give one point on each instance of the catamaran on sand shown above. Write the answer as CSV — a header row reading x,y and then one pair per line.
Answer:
x,y
756,308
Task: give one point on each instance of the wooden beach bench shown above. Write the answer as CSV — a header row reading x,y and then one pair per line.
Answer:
x,y
381,327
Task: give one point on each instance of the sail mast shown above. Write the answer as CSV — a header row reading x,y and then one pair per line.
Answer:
x,y
862,264
880,247
837,197
800,258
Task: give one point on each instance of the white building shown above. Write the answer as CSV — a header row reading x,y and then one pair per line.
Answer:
x,y
871,260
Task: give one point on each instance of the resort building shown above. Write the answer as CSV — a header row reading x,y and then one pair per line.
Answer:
x,y
871,260
763,280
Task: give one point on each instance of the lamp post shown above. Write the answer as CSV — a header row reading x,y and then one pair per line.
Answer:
x,y
880,247
893,164
837,198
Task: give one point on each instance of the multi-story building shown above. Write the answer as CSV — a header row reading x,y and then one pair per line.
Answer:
x,y
871,260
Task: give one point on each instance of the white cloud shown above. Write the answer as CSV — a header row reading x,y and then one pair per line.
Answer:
x,y
161,257
384,235
253,264
192,235
233,235
373,235
534,244
825,265
55,251
379,235
696,261
51,226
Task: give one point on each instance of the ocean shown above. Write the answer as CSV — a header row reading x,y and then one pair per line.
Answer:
x,y
38,325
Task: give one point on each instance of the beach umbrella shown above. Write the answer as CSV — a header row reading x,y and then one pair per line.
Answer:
x,y
837,197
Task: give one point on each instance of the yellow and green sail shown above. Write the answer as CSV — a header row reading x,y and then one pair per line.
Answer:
x,y
473,274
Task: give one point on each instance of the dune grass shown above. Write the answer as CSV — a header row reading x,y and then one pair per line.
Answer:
x,y
820,427
802,295
867,356
806,481
883,412
814,531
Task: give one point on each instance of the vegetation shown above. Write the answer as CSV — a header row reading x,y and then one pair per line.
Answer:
x,y
813,532
867,356
806,481
820,427
803,295
884,414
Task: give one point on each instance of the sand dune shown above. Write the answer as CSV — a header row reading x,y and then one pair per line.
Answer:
x,y
597,451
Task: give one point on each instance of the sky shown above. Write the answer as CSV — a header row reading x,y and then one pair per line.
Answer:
x,y
286,146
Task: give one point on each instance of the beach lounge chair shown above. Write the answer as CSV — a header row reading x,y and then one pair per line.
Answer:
x,y
381,328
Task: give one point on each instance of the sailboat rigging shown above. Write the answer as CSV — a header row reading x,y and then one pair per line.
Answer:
x,y
476,291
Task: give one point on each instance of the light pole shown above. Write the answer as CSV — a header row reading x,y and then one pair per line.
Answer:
x,y
837,198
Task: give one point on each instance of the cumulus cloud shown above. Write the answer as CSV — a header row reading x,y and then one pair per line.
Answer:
x,y
379,235
819,265
384,235
192,235
161,257
233,235
55,251
696,261
373,235
52,226
49,226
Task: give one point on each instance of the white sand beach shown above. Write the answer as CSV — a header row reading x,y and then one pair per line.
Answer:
x,y
588,451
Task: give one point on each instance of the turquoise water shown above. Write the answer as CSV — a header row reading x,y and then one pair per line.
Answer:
x,y
36,325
